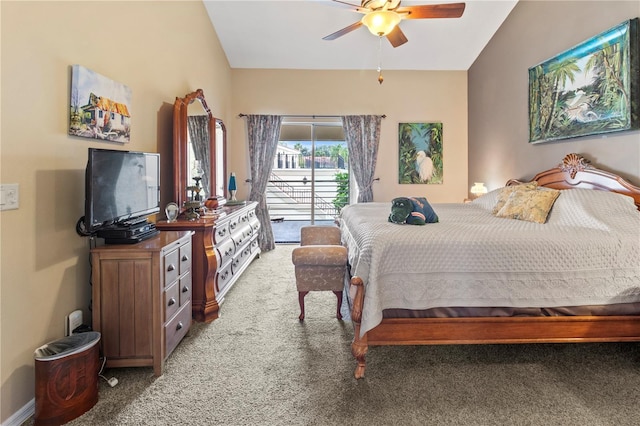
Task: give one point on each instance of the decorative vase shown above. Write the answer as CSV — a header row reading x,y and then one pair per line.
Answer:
x,y
211,203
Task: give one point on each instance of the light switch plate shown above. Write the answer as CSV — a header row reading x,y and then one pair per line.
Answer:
x,y
9,196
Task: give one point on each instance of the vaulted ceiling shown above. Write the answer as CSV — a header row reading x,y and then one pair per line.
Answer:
x,y
277,34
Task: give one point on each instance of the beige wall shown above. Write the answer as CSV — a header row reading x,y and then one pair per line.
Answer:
x,y
160,50
498,92
405,96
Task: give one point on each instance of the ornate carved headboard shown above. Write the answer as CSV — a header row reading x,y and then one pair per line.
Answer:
x,y
576,172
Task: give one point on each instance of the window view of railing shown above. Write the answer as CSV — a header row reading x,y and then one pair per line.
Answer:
x,y
309,184
292,196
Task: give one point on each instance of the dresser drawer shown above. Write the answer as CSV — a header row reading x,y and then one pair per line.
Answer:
x,y
240,258
223,276
185,258
241,237
171,266
254,243
178,326
243,219
171,301
233,224
255,225
184,288
221,232
226,250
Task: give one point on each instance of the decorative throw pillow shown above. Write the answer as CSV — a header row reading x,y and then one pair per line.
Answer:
x,y
529,205
422,212
505,192
412,210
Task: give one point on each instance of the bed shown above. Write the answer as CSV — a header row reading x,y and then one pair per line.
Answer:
x,y
474,278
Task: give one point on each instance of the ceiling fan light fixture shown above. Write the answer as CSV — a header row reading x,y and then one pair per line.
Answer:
x,y
381,22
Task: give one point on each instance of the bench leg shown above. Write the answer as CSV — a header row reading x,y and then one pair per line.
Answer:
x,y
301,295
339,296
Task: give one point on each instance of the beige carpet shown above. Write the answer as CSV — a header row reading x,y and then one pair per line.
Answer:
x,y
258,365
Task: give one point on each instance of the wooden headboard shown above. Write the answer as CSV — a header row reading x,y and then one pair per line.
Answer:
x,y
576,172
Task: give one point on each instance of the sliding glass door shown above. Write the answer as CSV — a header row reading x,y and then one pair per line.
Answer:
x,y
309,183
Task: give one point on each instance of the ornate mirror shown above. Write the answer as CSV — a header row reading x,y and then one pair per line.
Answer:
x,y
198,150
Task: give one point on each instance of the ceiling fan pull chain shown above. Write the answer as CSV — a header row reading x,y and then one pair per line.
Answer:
x,y
380,78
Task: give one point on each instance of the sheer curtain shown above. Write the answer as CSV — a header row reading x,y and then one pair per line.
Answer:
x,y
198,126
263,133
362,133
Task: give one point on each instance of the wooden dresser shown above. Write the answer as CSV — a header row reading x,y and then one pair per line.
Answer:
x,y
142,298
222,249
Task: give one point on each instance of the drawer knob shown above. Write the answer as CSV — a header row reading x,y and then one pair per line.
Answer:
x,y
185,289
171,267
185,258
172,301
179,326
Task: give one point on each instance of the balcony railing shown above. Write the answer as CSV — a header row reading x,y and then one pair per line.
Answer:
x,y
292,196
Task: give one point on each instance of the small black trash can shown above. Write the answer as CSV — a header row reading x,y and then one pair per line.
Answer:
x,y
66,378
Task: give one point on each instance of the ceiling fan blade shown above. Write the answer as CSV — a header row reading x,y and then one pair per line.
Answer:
x,y
426,11
343,31
397,37
357,6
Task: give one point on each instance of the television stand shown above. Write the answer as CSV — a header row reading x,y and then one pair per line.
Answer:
x,y
128,232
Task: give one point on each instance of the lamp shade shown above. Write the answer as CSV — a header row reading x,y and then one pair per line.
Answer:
x,y
381,22
478,189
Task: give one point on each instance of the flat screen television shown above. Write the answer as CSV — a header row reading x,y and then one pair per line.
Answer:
x,y
122,187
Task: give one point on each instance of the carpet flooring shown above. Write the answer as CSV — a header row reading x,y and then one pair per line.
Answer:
x,y
258,365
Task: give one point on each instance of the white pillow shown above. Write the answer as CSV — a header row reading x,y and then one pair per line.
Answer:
x,y
591,208
488,200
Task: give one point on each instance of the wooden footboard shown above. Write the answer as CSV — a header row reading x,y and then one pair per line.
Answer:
x,y
486,330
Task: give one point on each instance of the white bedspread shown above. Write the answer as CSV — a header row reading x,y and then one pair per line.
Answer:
x,y
588,253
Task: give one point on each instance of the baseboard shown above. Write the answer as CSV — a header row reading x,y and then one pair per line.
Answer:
x,y
22,415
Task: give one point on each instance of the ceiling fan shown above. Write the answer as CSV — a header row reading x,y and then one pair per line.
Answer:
x,y
382,17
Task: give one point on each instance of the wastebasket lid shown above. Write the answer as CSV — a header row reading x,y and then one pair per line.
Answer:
x,y
67,346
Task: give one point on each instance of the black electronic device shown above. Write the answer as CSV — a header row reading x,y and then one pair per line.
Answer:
x,y
132,231
122,188
132,239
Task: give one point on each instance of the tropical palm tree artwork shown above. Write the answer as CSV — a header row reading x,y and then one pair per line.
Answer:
x,y
588,89
420,153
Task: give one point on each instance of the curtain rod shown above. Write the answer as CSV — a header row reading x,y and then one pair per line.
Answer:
x,y
309,116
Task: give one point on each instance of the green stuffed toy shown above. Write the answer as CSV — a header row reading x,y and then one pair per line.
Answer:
x,y
412,210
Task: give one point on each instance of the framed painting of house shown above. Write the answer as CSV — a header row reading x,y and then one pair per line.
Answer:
x,y
420,153
99,107
589,89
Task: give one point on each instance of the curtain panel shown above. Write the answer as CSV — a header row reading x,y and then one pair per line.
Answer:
x,y
362,133
263,132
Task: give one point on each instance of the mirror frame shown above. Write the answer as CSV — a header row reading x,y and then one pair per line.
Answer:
x,y
222,160
180,144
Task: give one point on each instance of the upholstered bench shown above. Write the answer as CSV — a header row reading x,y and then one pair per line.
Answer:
x,y
320,263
